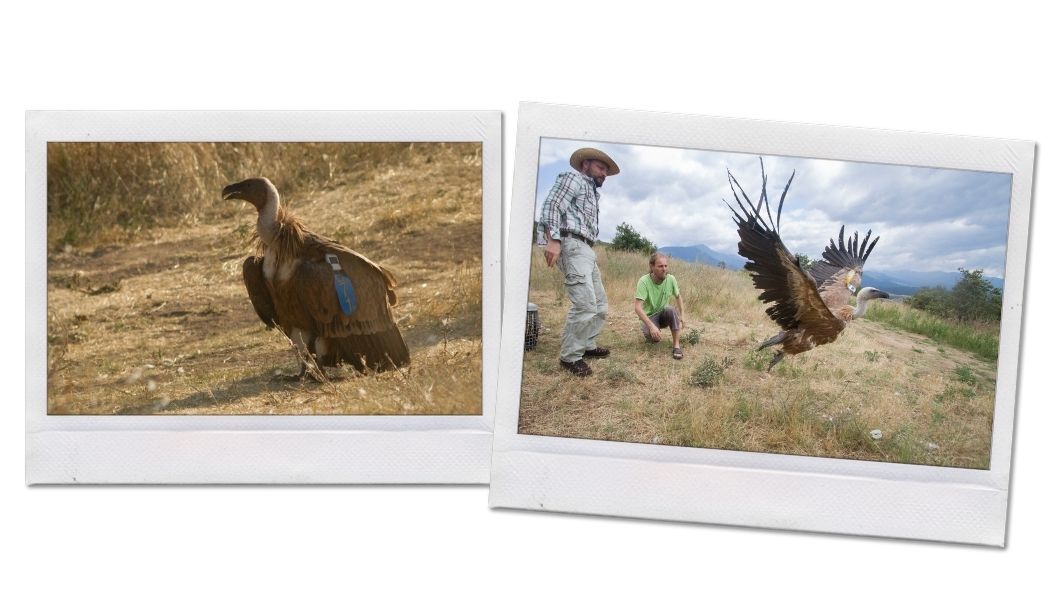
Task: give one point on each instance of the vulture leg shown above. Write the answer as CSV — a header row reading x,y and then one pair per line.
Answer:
x,y
775,359
775,339
305,353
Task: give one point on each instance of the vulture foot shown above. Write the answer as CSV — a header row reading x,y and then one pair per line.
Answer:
x,y
305,373
312,371
283,377
775,360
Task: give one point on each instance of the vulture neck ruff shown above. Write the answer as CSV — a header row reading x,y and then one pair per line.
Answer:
x,y
280,233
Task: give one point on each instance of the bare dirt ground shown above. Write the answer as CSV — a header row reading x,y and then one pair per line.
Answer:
x,y
162,323
933,404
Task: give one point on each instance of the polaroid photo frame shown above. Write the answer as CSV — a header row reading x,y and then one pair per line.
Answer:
x,y
726,486
256,448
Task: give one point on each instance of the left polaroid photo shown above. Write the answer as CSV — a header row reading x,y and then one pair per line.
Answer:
x,y
262,297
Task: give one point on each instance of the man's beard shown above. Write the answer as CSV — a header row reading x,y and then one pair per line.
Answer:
x,y
598,182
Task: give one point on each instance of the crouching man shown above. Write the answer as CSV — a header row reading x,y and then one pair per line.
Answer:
x,y
652,303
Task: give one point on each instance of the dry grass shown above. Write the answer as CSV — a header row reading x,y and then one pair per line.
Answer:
x,y
932,403
156,320
117,190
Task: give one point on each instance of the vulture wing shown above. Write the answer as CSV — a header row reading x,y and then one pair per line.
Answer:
x,y
796,303
840,272
369,333
259,295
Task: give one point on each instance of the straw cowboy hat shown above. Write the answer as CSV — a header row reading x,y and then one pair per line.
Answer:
x,y
583,154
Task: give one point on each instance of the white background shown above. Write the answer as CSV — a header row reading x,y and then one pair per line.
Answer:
x,y
954,69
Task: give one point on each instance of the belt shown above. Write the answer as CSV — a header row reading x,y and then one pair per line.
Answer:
x,y
576,235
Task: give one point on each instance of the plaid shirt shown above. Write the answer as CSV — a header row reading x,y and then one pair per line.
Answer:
x,y
573,204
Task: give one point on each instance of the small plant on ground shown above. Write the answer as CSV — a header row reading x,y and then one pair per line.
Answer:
x,y
965,374
707,373
692,338
620,374
757,360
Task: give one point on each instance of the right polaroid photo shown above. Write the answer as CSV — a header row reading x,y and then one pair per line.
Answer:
x,y
762,323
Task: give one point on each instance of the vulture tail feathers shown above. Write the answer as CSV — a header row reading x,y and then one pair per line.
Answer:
x,y
383,350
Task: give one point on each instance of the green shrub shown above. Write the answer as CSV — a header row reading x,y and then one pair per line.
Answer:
x,y
965,374
692,338
707,374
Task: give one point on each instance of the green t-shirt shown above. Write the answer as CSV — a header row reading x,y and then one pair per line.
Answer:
x,y
656,296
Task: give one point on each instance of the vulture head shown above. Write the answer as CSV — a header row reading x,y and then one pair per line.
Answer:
x,y
258,191
871,293
862,298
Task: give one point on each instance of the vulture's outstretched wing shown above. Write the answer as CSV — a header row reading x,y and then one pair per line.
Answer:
x,y
252,274
839,273
369,333
796,303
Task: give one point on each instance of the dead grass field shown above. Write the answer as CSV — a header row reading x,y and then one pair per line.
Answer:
x,y
933,404
157,320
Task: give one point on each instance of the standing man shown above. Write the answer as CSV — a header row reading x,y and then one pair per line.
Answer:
x,y
652,303
571,217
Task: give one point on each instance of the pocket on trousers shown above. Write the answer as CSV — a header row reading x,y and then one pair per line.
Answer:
x,y
573,279
574,264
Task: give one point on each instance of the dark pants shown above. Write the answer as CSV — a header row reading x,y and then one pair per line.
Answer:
x,y
667,317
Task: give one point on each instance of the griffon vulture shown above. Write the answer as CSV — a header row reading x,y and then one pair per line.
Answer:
x,y
333,303
812,308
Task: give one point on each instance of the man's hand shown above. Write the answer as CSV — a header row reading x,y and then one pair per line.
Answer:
x,y
552,252
654,332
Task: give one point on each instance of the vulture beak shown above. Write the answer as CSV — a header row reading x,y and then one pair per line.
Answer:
x,y
232,191
881,294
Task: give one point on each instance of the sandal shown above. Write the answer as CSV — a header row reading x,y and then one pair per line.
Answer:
x,y
678,353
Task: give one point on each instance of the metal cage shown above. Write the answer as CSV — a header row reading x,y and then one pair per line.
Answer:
x,y
534,326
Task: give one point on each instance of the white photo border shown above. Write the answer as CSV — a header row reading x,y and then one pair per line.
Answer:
x,y
748,488
257,449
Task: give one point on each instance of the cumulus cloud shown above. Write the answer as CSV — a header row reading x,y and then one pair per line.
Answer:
x,y
929,219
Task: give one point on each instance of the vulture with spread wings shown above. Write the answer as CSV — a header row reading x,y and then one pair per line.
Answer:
x,y
812,307
331,302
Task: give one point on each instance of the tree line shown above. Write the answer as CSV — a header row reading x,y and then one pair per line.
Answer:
x,y
972,299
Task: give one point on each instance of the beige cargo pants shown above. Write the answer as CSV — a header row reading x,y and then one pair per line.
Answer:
x,y
589,302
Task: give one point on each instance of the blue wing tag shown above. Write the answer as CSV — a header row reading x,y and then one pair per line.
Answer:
x,y
342,284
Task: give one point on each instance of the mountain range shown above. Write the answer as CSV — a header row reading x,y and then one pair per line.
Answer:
x,y
899,281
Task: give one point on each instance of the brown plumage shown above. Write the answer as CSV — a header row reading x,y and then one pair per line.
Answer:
x,y
812,308
291,286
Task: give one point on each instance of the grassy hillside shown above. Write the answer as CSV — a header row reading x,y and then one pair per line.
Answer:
x,y
147,312
932,403
117,190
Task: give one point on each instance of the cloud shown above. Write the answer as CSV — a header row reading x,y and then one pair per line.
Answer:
x,y
928,219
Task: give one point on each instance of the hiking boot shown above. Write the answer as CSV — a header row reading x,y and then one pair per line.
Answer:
x,y
578,368
597,352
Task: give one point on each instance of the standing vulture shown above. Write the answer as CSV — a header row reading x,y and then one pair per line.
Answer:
x,y
333,303
811,308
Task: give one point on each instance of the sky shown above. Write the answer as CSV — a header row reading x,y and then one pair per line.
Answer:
x,y
928,219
